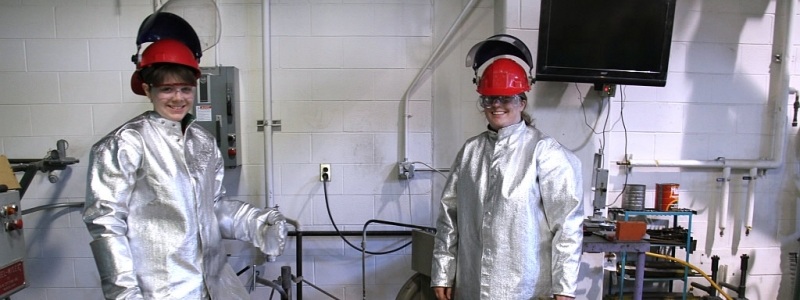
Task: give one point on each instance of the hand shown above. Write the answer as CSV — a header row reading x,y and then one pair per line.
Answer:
x,y
443,293
562,297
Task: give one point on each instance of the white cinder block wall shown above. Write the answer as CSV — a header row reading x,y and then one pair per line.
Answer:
x,y
715,105
339,71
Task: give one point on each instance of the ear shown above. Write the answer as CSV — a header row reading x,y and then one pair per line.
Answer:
x,y
146,88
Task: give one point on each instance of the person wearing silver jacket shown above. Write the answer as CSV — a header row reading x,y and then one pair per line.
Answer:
x,y
509,224
155,205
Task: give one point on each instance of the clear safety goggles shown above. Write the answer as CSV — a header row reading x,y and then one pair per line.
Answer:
x,y
489,101
182,89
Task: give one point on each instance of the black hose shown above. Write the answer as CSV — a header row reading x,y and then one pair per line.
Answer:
x,y
327,206
50,206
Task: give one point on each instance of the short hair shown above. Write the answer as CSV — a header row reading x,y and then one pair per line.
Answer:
x,y
159,73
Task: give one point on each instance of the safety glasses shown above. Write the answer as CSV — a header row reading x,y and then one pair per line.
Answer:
x,y
166,90
489,101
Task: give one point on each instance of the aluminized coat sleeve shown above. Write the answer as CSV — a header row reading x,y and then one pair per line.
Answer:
x,y
264,228
116,270
509,226
105,213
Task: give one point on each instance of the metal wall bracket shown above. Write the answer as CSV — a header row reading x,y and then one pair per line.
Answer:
x,y
276,125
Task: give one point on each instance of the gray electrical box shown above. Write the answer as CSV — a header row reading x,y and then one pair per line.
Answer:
x,y
217,110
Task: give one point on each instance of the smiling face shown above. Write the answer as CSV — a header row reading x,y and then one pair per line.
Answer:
x,y
502,111
172,99
171,89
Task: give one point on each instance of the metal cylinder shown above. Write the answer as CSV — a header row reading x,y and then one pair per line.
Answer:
x,y
286,282
666,196
633,197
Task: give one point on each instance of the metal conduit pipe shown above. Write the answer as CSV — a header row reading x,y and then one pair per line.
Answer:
x,y
266,65
726,188
436,52
751,199
778,90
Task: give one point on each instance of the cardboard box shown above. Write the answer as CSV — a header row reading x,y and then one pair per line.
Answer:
x,y
7,176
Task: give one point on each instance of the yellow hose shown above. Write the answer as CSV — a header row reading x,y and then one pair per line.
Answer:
x,y
714,284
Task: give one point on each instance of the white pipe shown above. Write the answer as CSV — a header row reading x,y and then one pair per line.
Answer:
x,y
434,55
267,90
778,90
751,199
726,188
745,164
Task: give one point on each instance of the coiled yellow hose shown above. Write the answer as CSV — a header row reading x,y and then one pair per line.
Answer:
x,y
714,284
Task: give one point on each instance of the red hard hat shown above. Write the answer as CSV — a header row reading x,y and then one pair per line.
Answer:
x,y
503,77
163,51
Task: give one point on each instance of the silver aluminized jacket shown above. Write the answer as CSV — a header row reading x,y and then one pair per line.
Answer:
x,y
157,212
510,220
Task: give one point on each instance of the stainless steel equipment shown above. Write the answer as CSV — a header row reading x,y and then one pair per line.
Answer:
x,y
418,287
12,245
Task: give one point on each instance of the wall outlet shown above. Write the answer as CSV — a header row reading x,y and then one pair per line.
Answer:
x,y
324,172
405,170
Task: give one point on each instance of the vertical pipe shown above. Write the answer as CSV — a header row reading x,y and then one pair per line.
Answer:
x,y
267,101
740,290
286,281
780,76
795,273
723,216
434,55
638,290
714,269
751,199
254,276
364,264
299,262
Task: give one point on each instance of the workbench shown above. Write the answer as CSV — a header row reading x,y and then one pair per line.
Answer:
x,y
597,244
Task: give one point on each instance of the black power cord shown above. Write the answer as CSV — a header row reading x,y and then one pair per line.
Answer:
x,y
330,216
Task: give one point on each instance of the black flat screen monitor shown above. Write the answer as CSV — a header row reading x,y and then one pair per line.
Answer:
x,y
605,41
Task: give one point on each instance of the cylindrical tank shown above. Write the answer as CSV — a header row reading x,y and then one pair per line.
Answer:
x,y
633,197
666,196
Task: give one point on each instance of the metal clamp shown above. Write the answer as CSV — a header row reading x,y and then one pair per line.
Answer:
x,y
275,124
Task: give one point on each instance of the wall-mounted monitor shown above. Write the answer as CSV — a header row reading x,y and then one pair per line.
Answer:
x,y
605,41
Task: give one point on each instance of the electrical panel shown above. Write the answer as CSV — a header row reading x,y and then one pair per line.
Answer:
x,y
217,110
12,245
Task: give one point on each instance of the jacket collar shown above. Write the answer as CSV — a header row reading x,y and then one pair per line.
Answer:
x,y
507,131
182,125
